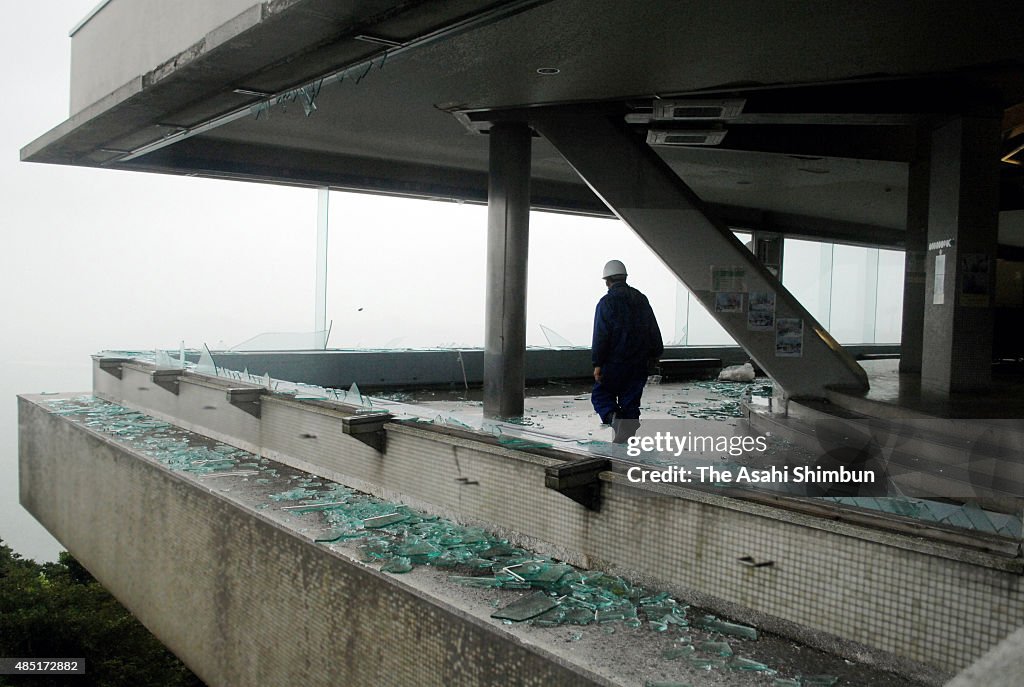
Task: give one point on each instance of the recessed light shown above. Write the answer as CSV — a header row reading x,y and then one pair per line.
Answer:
x,y
548,71
252,91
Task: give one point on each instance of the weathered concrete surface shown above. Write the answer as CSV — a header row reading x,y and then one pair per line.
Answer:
x,y
1003,666
868,594
615,653
241,599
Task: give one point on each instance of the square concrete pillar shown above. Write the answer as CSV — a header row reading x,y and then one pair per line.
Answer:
x,y
963,222
914,275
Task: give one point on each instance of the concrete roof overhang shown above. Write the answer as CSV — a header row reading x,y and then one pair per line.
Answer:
x,y
836,94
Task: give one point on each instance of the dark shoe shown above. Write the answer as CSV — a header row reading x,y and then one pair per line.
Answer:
x,y
624,429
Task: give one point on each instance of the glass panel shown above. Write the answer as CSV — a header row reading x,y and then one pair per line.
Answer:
x,y
807,274
889,305
702,329
854,286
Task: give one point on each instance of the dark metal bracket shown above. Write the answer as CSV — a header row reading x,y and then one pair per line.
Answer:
x,y
579,480
368,429
167,379
247,399
113,365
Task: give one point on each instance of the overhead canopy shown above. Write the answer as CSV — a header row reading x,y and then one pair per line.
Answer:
x,y
394,97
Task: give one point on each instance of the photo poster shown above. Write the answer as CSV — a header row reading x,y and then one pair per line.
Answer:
x,y
761,311
729,279
789,337
729,301
975,271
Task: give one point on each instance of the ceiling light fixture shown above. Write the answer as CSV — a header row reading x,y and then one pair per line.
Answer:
x,y
252,92
548,71
379,40
675,110
685,137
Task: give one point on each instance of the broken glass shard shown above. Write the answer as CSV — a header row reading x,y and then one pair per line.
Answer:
x,y
577,616
716,648
528,607
206,364
704,663
397,565
543,574
740,663
607,615
419,551
476,581
713,624
677,652
384,520
555,340
337,535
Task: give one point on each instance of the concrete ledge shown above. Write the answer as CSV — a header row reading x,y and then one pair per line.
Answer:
x,y
242,599
895,599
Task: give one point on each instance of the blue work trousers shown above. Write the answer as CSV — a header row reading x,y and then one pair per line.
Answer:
x,y
619,391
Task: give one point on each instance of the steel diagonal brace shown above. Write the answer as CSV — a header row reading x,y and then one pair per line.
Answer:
x,y
643,190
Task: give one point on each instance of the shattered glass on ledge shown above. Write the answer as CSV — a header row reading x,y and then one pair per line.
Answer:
x,y
543,592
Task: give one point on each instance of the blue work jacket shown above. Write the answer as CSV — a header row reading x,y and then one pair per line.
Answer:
x,y
625,330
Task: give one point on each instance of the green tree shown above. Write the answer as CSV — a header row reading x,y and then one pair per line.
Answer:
x,y
59,610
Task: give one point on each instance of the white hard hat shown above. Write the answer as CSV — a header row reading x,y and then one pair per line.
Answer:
x,y
613,268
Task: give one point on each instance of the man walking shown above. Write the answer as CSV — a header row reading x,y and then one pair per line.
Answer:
x,y
626,340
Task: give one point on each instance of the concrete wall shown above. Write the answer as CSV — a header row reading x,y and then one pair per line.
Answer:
x,y
923,607
126,39
241,599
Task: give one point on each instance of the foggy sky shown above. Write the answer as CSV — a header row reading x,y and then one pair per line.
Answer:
x,y
97,259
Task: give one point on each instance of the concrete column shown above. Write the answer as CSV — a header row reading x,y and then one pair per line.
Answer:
x,y
914,260
963,219
508,239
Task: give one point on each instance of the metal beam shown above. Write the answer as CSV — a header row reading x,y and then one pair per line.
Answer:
x,y
639,187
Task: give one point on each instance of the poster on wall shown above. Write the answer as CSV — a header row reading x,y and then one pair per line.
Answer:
x,y
729,279
729,302
761,311
975,278
939,287
789,337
